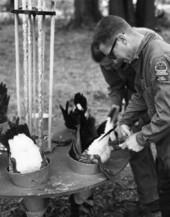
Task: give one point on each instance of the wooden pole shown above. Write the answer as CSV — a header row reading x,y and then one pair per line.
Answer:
x,y
25,63
51,80
30,73
34,70
17,60
40,77
43,21
34,76
39,5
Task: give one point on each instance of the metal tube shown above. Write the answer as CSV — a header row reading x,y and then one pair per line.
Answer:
x,y
34,100
25,63
51,80
39,5
17,60
40,79
30,67
44,7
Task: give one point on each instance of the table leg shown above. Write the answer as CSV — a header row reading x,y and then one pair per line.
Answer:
x,y
35,206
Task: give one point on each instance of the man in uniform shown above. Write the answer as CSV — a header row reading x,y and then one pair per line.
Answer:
x,y
120,78
150,57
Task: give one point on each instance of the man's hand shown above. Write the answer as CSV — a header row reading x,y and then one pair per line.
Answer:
x,y
125,130
132,144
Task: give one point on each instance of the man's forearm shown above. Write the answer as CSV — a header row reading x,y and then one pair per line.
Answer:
x,y
116,98
135,108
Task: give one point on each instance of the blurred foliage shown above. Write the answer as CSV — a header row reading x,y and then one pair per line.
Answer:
x,y
65,8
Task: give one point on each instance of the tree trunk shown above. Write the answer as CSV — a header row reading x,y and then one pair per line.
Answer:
x,y
130,13
145,13
86,12
122,8
144,16
9,5
117,7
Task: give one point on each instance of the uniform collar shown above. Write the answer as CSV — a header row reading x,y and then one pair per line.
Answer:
x,y
143,43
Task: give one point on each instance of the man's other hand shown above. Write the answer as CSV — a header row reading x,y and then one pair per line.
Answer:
x,y
131,144
125,130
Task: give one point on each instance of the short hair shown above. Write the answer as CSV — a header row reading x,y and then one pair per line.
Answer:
x,y
96,54
109,27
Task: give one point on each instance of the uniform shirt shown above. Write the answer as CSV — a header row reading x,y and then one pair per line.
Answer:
x,y
121,80
121,83
152,83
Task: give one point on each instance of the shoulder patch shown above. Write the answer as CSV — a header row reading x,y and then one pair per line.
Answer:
x,y
161,71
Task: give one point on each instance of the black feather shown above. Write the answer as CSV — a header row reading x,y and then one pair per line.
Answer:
x,y
113,114
14,129
87,131
76,148
70,118
101,128
72,115
80,99
4,101
108,132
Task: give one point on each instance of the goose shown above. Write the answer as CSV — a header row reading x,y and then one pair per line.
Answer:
x,y
71,113
24,154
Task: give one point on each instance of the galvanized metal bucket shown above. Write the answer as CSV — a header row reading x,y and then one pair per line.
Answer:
x,y
83,168
32,179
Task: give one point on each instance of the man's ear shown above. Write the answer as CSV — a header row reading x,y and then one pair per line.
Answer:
x,y
121,37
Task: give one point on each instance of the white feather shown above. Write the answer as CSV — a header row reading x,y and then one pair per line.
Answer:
x,y
26,153
101,147
109,125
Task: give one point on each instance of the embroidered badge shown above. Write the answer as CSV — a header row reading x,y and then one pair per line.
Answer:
x,y
161,71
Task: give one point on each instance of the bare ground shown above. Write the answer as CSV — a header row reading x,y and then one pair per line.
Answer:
x,y
74,71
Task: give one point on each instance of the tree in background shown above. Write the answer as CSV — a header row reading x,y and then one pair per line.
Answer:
x,y
7,5
124,9
145,13
86,12
142,14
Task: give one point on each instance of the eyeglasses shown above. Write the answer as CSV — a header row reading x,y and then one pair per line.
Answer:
x,y
111,54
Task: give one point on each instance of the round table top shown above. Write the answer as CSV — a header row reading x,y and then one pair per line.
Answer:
x,y
63,180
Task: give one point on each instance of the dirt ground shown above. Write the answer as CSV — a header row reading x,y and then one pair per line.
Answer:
x,y
74,71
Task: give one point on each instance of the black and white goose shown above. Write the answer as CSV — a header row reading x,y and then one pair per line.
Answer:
x,y
71,113
24,155
100,147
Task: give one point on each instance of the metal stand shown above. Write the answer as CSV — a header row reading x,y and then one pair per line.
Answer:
x,y
33,26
